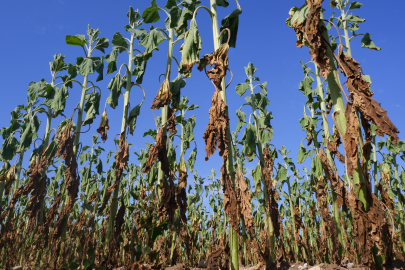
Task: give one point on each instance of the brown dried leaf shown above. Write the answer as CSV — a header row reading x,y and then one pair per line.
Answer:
x,y
181,195
168,204
351,139
102,130
230,200
171,127
215,134
362,99
158,152
163,96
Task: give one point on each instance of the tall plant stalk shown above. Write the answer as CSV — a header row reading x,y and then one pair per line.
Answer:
x,y
233,233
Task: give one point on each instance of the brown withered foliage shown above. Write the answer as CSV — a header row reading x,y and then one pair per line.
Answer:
x,y
168,204
171,115
121,161
329,227
163,96
370,228
215,133
50,217
230,200
333,176
72,181
245,207
181,195
386,199
310,31
158,152
361,96
351,144
102,129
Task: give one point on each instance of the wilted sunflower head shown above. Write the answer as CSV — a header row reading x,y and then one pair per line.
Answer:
x,y
333,3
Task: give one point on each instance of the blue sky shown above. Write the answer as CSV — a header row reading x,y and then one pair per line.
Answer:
x,y
33,31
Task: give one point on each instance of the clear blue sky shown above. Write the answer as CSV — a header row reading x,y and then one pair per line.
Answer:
x,y
32,31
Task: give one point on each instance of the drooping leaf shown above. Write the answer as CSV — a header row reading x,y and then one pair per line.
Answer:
x,y
355,5
366,42
257,176
232,23
119,43
249,138
263,87
78,40
140,67
133,116
242,87
59,100
9,148
151,14
91,107
102,44
133,15
191,160
151,41
306,85
222,3
175,86
190,49
115,88
302,154
241,119
86,67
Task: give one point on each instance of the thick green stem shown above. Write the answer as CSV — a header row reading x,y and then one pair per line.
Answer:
x,y
165,109
336,208
114,204
339,106
234,234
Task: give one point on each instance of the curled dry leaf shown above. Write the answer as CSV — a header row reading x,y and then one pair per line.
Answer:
x,y
329,227
230,201
163,96
171,127
102,129
158,152
168,204
309,32
121,161
181,195
351,144
215,133
370,228
362,99
246,210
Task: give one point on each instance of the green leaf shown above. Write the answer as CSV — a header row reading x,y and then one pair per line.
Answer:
x,y
86,67
58,63
9,148
133,15
302,154
188,130
133,116
306,85
98,65
316,167
257,176
190,49
59,100
191,160
241,119
282,174
242,87
119,43
171,4
262,102
102,44
232,23
249,137
175,86
263,88
112,61
171,154
222,3
151,41
140,67
250,70
99,166
366,42
78,40
151,14
39,87
115,88
91,107
355,5
266,136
